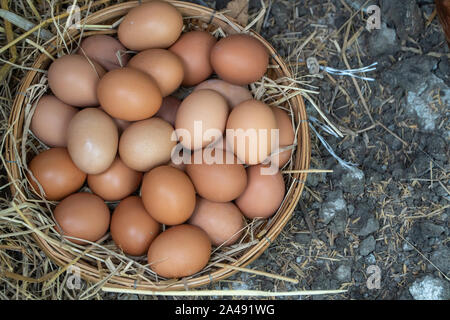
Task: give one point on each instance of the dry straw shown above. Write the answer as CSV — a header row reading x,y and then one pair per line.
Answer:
x,y
102,262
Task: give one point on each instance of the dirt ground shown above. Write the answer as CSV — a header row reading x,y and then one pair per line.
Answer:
x,y
392,209
386,217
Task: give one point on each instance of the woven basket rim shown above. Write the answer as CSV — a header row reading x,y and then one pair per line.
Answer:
x,y
303,154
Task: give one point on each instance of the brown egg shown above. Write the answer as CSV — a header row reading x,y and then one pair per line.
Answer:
x,y
223,222
74,79
105,50
121,124
168,110
179,252
263,195
50,121
132,228
56,173
163,66
116,183
239,59
219,179
201,119
146,144
194,49
232,93
156,24
92,140
129,94
286,135
249,131
84,216
168,195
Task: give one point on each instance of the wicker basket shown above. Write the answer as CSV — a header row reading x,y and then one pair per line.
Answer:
x,y
96,270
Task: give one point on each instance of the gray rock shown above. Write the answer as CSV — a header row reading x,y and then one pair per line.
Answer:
x,y
370,259
416,237
405,295
443,71
407,247
367,246
343,273
350,209
353,181
420,99
334,203
408,74
430,288
314,179
383,41
405,15
430,230
441,259
397,173
327,212
369,227
415,76
437,146
341,242
339,222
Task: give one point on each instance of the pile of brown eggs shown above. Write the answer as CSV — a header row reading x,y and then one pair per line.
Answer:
x,y
112,121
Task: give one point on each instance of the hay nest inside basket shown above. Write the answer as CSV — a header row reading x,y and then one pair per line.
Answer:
x,y
102,262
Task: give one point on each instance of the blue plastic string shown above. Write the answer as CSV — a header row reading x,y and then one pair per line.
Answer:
x,y
326,128
352,72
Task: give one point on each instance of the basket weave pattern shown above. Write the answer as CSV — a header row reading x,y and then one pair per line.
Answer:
x,y
92,264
